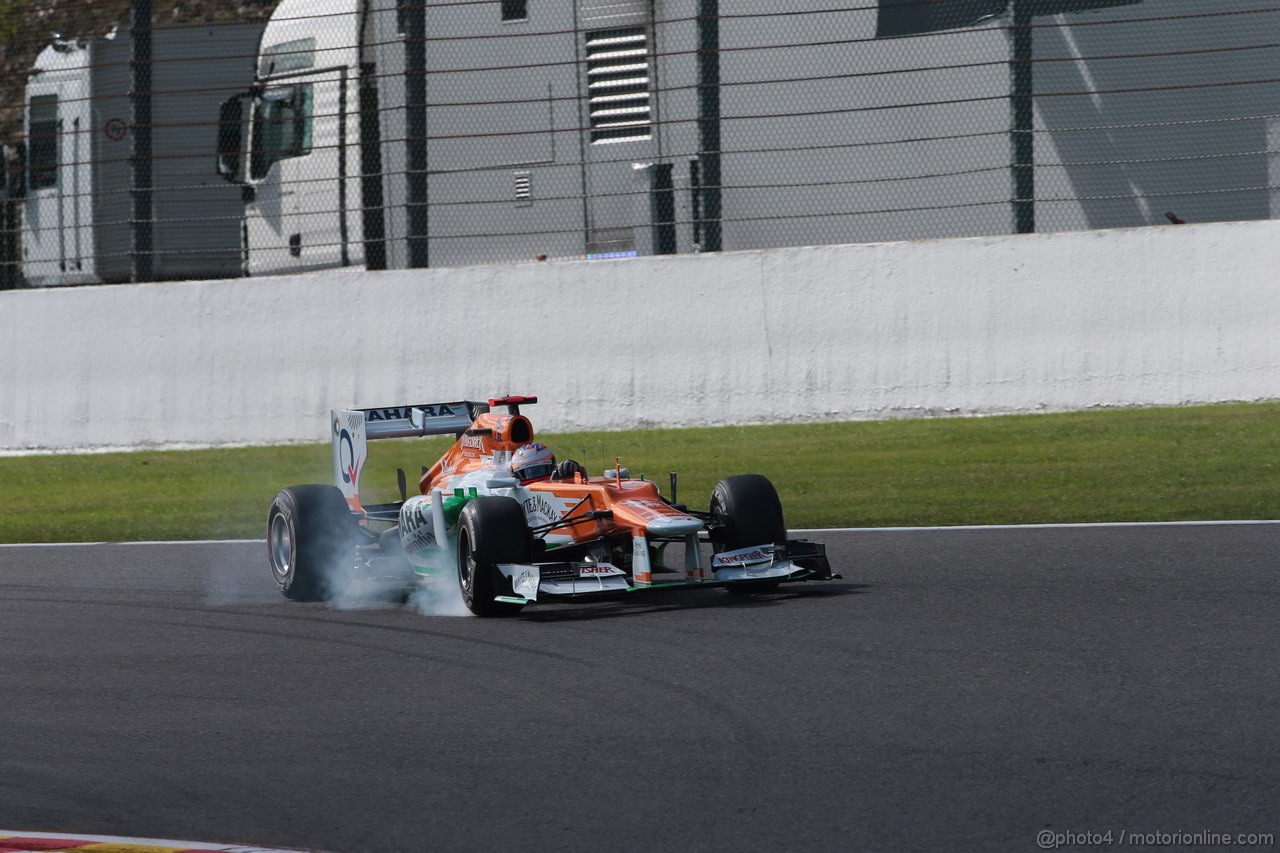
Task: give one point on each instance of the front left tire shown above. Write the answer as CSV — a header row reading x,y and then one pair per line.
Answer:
x,y
491,530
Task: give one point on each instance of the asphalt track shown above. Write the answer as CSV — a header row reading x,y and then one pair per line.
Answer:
x,y
959,690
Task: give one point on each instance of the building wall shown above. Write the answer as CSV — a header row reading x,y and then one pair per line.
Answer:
x,y
967,326
830,134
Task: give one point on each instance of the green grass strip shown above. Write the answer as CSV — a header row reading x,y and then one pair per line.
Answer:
x,y
1151,464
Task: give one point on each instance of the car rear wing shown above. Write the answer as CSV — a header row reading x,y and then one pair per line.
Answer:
x,y
422,419
351,429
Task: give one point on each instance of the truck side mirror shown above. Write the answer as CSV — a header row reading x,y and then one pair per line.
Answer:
x,y
13,178
230,136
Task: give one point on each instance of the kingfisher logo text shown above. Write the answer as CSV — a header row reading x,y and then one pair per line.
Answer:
x,y
741,558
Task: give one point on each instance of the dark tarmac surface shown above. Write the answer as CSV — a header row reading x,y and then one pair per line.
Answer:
x,y
959,690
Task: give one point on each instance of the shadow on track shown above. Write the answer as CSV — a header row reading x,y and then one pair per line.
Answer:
x,y
677,600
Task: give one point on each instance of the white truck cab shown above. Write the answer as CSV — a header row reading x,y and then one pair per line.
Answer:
x,y
288,141
57,232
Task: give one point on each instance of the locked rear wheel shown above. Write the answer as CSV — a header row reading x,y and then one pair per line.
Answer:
x,y
311,538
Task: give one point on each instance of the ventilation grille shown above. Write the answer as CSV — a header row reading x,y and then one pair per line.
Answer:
x,y
611,243
618,84
524,186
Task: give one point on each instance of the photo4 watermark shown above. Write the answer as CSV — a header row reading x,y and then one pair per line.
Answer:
x,y
1049,839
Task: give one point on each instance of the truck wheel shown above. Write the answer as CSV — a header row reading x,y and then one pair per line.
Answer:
x,y
491,530
745,511
311,536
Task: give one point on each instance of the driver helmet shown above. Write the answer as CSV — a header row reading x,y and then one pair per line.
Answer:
x,y
533,462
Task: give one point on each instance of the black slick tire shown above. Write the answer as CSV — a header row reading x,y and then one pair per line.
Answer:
x,y
745,510
311,537
491,530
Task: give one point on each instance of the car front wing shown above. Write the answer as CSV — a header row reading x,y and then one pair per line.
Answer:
x,y
793,560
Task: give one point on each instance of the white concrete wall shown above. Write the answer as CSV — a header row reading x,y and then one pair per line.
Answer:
x,y
1159,315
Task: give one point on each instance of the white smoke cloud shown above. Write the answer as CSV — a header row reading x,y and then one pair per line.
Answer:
x,y
439,597
393,583
240,573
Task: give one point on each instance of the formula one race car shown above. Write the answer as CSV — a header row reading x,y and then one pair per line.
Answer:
x,y
513,527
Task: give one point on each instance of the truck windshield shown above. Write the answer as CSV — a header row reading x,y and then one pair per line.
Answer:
x,y
281,126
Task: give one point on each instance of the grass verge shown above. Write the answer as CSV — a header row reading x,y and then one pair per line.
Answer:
x,y
1158,464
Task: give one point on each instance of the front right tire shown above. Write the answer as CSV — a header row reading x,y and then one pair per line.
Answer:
x,y
745,511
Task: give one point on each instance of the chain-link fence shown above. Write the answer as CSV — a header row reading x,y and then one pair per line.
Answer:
x,y
322,133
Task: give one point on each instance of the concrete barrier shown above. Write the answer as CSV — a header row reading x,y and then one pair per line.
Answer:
x,y
1066,321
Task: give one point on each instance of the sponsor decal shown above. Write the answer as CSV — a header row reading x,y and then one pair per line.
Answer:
x,y
742,557
599,569
649,510
539,510
401,413
526,584
347,462
420,541
417,530
414,515
353,420
473,442
640,560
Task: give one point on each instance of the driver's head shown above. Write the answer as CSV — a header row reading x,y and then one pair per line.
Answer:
x,y
533,462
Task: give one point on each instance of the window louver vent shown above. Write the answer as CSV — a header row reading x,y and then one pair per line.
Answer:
x,y
524,186
618,84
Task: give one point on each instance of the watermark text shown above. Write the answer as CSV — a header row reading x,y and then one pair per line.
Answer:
x,y
1049,839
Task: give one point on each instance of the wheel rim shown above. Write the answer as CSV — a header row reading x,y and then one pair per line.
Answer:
x,y
466,567
719,520
281,546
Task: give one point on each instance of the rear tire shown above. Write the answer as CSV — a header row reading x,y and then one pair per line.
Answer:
x,y
491,530
746,511
311,536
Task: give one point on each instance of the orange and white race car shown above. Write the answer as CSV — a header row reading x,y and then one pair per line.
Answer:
x,y
514,528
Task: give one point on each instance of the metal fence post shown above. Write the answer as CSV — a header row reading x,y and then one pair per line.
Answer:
x,y
415,65
140,255
709,123
1021,103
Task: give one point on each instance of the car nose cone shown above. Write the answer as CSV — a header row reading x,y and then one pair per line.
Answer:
x,y
673,525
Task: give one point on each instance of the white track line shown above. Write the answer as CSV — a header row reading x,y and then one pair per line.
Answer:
x,y
154,843
1033,526
139,542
